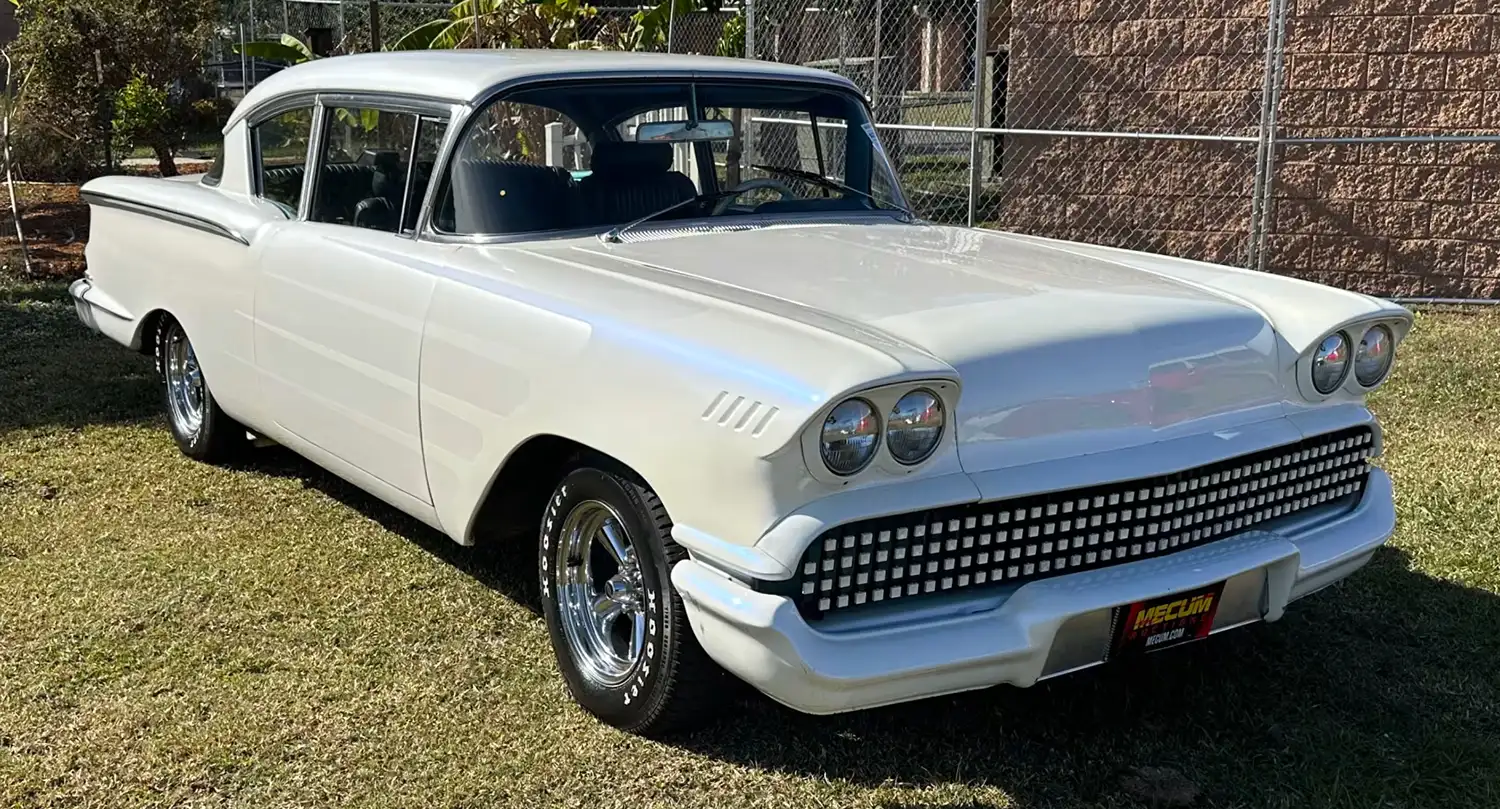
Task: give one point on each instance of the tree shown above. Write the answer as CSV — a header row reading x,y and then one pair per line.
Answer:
x,y
65,45
506,24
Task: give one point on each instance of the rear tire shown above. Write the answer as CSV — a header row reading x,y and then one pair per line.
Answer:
x,y
618,628
201,428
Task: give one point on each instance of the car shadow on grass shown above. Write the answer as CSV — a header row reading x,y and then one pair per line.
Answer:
x,y
1380,691
506,567
55,372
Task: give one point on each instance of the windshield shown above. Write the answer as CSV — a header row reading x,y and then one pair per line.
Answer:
x,y
601,155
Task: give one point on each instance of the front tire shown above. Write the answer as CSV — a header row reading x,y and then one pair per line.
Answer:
x,y
618,628
202,430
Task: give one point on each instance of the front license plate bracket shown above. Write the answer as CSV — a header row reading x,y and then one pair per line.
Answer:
x,y
1153,624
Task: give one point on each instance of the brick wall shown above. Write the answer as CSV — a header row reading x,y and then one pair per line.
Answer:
x,y
1388,219
1404,219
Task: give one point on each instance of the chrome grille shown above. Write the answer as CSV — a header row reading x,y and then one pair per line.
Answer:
x,y
1010,542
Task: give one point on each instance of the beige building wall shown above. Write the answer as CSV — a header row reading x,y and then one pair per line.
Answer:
x,y
1381,218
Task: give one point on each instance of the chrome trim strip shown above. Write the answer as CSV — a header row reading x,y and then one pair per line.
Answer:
x,y
164,214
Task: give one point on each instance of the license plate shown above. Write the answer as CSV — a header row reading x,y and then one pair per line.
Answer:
x,y
1161,623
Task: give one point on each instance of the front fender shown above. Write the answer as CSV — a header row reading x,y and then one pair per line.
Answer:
x,y
707,402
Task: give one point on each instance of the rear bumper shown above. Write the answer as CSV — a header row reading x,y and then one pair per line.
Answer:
x,y
103,314
1042,629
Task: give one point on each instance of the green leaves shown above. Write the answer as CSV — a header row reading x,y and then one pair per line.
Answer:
x,y
287,49
435,35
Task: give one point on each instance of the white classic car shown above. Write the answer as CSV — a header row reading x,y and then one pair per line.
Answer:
x,y
669,319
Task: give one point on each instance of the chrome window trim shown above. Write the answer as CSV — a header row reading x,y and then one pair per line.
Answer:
x,y
456,118
313,168
271,106
165,214
252,139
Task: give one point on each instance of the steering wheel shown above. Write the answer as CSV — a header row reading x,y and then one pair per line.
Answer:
x,y
750,185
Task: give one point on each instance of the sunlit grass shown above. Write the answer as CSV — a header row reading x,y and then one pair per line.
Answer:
x,y
176,634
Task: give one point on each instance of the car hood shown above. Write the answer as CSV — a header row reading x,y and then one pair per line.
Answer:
x,y
1056,350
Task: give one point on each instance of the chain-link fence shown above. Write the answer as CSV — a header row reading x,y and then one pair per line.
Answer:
x,y
1338,140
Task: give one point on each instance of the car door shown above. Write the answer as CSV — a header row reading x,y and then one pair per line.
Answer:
x,y
340,296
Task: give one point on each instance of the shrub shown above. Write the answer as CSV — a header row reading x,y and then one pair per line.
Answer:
x,y
159,41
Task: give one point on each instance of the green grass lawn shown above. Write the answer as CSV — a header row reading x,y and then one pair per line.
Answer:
x,y
176,634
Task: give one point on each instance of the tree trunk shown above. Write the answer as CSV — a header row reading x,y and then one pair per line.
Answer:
x,y
165,160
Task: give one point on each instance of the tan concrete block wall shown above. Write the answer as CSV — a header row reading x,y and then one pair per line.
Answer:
x,y
1386,219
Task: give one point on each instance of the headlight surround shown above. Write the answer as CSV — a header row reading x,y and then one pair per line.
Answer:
x,y
1372,360
915,426
1330,363
850,436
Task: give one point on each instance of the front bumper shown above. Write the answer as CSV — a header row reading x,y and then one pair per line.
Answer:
x,y
1041,629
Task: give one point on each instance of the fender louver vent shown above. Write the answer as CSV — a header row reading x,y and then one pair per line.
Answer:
x,y
740,415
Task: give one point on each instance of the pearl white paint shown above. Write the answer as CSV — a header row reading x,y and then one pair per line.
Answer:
x,y
706,361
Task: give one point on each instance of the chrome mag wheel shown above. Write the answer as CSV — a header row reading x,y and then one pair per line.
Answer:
x,y
185,393
601,600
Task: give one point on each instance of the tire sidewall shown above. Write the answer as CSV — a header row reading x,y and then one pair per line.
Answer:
x,y
640,698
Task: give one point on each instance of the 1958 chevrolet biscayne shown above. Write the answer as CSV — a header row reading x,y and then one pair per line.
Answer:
x,y
669,319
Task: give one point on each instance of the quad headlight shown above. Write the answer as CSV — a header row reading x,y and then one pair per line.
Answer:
x,y
1373,357
915,426
851,434
1330,364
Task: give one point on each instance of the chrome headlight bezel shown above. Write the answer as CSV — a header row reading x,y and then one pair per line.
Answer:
x,y
883,396
1387,362
875,433
1349,385
1345,347
893,425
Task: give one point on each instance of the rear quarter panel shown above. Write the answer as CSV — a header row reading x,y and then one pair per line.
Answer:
x,y
187,250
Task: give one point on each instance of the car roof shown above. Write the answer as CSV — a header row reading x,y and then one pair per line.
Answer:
x,y
463,76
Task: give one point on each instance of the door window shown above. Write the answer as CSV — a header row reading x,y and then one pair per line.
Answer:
x,y
281,157
374,168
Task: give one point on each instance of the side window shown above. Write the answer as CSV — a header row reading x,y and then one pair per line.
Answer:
x,y
517,170
366,162
281,150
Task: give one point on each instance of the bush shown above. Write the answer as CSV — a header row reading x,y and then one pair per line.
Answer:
x,y
43,154
159,41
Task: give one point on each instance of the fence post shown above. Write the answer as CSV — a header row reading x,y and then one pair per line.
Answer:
x,y
750,29
553,136
875,66
1265,152
747,132
377,43
671,23
981,44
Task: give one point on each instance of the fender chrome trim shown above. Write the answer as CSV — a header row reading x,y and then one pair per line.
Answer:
x,y
165,214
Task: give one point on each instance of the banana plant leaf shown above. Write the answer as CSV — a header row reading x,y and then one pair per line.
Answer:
x,y
287,49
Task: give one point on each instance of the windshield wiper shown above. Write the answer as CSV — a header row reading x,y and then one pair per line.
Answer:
x,y
612,236
829,182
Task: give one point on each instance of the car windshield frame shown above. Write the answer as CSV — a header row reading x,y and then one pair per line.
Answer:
x,y
894,206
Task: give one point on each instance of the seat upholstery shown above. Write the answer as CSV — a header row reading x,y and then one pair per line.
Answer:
x,y
283,182
505,196
631,180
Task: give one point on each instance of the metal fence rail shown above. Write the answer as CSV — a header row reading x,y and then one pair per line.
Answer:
x,y
1306,139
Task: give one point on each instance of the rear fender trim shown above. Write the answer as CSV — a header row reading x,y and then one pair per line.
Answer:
x,y
165,214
